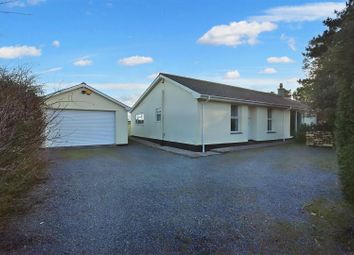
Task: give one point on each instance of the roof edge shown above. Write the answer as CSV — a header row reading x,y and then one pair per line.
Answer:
x,y
247,102
84,85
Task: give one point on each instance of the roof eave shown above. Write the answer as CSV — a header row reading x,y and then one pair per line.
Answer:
x,y
146,92
155,82
82,85
247,102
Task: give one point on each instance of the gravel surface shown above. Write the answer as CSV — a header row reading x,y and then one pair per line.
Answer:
x,y
136,199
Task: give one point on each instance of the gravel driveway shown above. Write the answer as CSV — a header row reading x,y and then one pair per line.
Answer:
x,y
136,199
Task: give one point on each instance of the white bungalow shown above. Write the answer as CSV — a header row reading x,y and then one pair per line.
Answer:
x,y
199,115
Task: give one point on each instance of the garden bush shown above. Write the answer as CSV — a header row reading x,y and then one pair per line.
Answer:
x,y
22,133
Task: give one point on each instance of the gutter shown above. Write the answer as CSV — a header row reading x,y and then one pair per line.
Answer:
x,y
243,101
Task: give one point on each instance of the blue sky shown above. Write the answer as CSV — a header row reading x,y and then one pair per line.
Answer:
x,y
117,46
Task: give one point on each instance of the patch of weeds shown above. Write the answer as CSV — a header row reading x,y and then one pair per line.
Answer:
x,y
284,237
208,243
15,184
13,239
332,224
184,241
327,163
86,153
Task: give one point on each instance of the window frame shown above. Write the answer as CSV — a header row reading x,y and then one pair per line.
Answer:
x,y
235,117
158,112
139,119
270,120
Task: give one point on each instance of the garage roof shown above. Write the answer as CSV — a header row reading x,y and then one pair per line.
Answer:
x,y
84,85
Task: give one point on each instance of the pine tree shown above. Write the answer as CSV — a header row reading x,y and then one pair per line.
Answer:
x,y
341,53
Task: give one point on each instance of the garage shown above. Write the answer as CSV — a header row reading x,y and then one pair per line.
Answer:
x,y
81,128
83,116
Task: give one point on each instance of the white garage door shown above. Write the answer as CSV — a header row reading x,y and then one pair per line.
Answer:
x,y
79,128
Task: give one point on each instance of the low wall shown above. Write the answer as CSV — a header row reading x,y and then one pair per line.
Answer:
x,y
320,139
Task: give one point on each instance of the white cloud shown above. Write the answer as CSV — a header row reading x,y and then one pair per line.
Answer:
x,y
290,40
260,84
130,99
35,2
135,60
278,60
119,86
24,3
268,85
236,33
85,61
292,43
152,76
56,43
268,70
231,75
11,52
299,13
52,70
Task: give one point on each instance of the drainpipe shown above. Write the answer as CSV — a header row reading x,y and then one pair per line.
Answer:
x,y
202,124
163,111
202,131
284,126
295,122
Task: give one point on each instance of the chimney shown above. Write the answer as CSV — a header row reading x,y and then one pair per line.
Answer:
x,y
283,92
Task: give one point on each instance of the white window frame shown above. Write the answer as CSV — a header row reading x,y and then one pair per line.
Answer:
x,y
158,112
270,120
139,119
236,117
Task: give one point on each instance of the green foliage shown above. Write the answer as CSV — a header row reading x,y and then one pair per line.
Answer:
x,y
342,55
329,87
22,125
319,89
301,133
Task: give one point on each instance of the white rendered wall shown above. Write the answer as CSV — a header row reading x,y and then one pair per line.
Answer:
x,y
180,115
280,124
217,123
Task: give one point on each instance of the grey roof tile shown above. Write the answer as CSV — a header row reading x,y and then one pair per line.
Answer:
x,y
237,93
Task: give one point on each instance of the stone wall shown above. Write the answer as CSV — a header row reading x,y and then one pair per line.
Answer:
x,y
320,139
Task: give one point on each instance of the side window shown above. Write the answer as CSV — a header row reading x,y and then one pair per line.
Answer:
x,y
139,118
158,114
269,119
235,123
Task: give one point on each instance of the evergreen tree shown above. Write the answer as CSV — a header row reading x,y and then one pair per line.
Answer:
x,y
341,54
329,87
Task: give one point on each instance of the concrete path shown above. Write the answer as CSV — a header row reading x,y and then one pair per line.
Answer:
x,y
187,153
194,154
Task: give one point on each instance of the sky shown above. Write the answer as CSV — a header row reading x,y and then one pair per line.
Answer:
x,y
119,46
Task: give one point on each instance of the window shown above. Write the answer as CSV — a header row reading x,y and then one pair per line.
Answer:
x,y
235,123
269,119
139,118
158,114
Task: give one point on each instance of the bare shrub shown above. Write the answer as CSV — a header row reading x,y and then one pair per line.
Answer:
x,y
22,134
